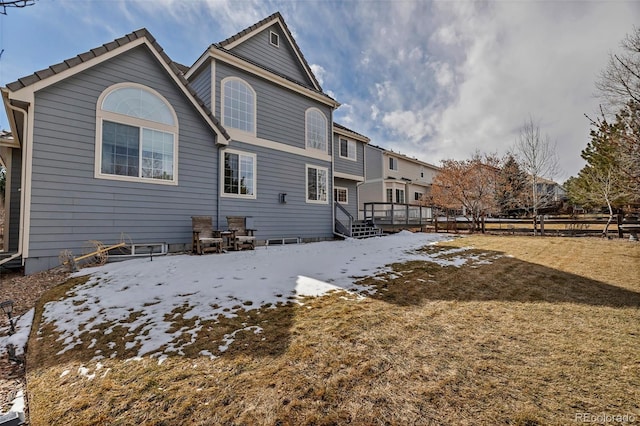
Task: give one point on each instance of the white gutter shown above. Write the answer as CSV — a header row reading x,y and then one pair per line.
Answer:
x,y
5,97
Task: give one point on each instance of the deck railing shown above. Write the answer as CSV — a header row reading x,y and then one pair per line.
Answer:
x,y
397,214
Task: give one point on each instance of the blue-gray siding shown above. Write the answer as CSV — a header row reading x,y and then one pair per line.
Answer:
x,y
344,165
281,172
373,163
282,59
352,195
201,83
69,206
280,112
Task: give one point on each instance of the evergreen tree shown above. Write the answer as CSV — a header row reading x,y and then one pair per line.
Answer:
x,y
511,186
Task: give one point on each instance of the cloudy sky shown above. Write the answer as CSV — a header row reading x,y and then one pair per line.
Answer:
x,y
430,79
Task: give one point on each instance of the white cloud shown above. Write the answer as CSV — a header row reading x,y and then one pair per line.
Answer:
x,y
319,72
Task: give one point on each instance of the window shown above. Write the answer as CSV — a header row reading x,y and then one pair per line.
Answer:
x,y
238,174
347,149
400,196
417,196
341,195
274,39
136,135
389,195
393,163
238,105
317,184
316,129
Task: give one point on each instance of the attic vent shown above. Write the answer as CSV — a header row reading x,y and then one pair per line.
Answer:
x,y
274,39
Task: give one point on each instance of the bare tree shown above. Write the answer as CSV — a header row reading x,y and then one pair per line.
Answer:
x,y
620,80
467,184
538,158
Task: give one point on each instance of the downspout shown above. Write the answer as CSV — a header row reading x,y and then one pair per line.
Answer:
x,y
23,175
218,188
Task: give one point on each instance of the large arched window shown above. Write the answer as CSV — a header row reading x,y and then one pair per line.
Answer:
x,y
137,135
316,129
238,105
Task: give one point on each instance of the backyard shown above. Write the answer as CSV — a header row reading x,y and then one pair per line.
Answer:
x,y
406,329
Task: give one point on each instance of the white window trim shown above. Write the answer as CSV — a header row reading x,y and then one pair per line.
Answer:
x,y
396,162
271,34
255,174
306,128
346,192
349,142
102,115
306,184
255,106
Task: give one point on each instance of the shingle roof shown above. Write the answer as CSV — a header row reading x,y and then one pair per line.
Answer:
x,y
107,47
346,129
266,20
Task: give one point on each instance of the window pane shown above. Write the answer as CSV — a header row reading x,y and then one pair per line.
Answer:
x,y
230,173
239,106
139,103
157,154
316,130
120,149
322,185
344,150
246,175
312,184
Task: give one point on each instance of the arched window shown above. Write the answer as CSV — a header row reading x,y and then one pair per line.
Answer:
x,y
137,135
316,129
238,105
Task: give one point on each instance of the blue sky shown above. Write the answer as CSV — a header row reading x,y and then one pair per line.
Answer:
x,y
434,80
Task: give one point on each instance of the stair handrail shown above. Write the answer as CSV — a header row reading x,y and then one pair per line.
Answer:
x,y
340,207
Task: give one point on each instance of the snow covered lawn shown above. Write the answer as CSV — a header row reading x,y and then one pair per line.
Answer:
x,y
139,294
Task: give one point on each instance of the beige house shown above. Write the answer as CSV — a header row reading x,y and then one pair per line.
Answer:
x,y
394,178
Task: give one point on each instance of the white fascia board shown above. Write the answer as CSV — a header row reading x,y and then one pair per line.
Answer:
x,y
348,176
256,70
26,94
351,135
244,137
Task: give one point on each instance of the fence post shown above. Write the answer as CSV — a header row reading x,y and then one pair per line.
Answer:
x,y
406,214
619,222
542,226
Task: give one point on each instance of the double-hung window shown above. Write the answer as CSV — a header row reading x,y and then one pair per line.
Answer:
x,y
341,195
137,132
347,149
238,174
393,163
238,105
400,196
317,184
316,129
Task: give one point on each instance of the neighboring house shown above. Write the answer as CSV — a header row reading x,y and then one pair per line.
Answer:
x,y
120,140
394,178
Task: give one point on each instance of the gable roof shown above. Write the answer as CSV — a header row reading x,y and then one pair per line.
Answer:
x,y
62,70
406,157
256,28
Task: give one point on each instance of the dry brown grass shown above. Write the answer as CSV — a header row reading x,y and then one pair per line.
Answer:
x,y
549,329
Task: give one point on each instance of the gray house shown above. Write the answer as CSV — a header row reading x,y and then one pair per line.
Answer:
x,y
121,141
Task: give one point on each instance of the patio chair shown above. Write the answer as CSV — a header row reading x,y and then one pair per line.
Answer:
x,y
205,239
244,237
